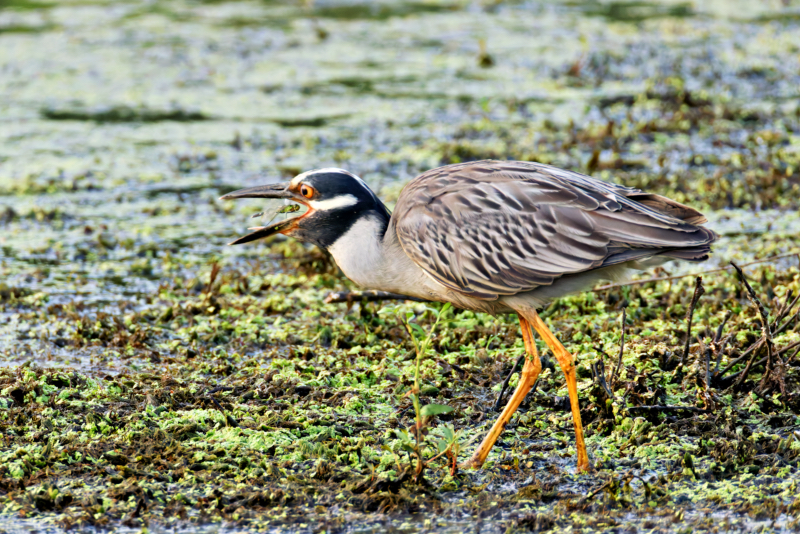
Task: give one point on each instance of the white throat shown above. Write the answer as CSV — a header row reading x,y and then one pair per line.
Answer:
x,y
359,252
375,261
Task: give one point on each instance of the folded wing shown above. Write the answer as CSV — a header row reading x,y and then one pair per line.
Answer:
x,y
494,228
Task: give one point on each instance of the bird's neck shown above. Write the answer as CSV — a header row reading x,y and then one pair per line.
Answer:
x,y
370,255
359,252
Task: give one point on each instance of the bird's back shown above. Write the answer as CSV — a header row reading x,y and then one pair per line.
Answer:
x,y
493,228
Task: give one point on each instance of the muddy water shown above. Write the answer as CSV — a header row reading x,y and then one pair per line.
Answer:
x,y
122,122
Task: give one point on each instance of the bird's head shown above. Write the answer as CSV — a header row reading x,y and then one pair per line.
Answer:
x,y
335,198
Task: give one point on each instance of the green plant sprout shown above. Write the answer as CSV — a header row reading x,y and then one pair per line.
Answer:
x,y
449,444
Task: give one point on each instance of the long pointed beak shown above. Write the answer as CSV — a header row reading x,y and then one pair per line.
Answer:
x,y
280,190
266,231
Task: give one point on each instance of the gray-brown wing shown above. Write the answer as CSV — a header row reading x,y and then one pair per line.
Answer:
x,y
495,228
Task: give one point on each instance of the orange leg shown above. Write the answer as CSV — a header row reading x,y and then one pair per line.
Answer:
x,y
567,363
530,371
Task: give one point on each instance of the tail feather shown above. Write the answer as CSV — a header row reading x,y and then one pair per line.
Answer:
x,y
694,254
669,206
699,249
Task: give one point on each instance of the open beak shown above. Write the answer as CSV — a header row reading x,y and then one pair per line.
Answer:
x,y
280,190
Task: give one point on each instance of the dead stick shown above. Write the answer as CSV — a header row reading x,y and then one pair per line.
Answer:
x,y
787,348
744,355
621,348
759,343
781,307
698,291
720,347
786,308
770,348
505,383
598,490
721,352
679,276
765,326
721,327
743,374
790,358
788,321
763,360
599,375
706,350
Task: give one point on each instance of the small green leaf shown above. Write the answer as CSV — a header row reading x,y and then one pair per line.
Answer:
x,y
429,391
448,434
435,409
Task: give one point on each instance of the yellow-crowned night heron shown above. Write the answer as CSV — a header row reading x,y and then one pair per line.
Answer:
x,y
491,236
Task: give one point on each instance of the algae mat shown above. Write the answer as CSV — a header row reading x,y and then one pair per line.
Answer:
x,y
153,378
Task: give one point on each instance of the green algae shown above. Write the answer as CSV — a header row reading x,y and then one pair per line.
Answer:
x,y
219,391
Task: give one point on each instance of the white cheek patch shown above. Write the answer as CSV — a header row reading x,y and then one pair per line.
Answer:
x,y
342,201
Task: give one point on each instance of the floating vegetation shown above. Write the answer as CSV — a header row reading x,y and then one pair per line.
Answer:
x,y
216,416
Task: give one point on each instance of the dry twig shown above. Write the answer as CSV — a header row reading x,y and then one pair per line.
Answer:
x,y
720,348
599,375
506,381
762,361
698,292
621,349
706,351
759,344
765,329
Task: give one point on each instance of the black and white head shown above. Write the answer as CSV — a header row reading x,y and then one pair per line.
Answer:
x,y
336,200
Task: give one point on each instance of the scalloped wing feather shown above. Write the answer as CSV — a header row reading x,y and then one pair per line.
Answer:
x,y
492,228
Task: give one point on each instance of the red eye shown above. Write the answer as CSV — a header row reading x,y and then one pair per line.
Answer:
x,y
307,191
